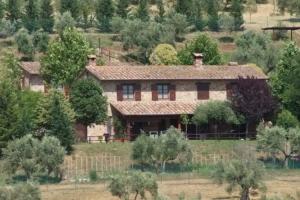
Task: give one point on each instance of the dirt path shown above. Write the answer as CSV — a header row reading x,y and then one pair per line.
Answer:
x,y
172,189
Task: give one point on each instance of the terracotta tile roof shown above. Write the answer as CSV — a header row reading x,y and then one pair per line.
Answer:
x,y
174,72
31,67
155,108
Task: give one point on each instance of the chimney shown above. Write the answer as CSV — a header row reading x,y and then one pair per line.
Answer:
x,y
92,60
198,60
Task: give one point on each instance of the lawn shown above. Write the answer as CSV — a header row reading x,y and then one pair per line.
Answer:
x,y
124,149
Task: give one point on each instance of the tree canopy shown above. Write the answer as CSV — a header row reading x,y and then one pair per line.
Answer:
x,y
88,101
279,140
215,112
202,44
164,54
285,79
55,117
65,59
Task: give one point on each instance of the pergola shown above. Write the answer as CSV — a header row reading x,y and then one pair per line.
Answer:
x,y
288,28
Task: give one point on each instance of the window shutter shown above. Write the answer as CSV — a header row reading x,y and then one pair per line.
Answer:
x,y
229,90
119,93
172,92
203,91
154,92
137,92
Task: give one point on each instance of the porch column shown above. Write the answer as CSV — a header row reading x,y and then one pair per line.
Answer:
x,y
179,124
128,130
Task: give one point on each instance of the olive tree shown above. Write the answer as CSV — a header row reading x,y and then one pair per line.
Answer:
x,y
50,154
242,174
136,183
157,152
279,140
142,150
20,155
32,155
169,147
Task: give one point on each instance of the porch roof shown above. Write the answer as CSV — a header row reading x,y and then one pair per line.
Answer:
x,y
154,108
31,67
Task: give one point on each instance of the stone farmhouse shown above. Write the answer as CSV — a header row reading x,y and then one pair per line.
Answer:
x,y
153,98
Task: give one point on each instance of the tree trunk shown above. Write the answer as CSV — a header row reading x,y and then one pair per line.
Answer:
x,y
245,194
247,129
286,162
136,195
163,166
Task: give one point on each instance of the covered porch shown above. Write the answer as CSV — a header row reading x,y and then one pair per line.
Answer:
x,y
153,118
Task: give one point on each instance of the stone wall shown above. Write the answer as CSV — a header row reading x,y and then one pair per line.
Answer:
x,y
186,91
36,83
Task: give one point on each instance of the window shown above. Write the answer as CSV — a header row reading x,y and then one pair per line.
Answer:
x,y
163,91
128,92
203,91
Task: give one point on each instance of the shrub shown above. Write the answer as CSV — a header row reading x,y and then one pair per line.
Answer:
x,y
20,192
64,21
215,112
117,24
24,43
41,40
164,54
287,120
7,28
93,176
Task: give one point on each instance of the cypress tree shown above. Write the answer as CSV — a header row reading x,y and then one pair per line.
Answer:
x,y
122,8
104,13
2,9
31,16
161,9
184,7
46,16
198,18
70,5
213,16
60,125
55,117
236,11
8,111
142,10
13,10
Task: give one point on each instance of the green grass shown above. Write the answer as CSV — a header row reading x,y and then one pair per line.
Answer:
x,y
115,148
124,149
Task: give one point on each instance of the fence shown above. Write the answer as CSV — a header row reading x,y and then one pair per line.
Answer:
x,y
80,166
77,166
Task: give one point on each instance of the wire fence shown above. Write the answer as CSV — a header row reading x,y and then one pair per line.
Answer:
x,y
81,166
